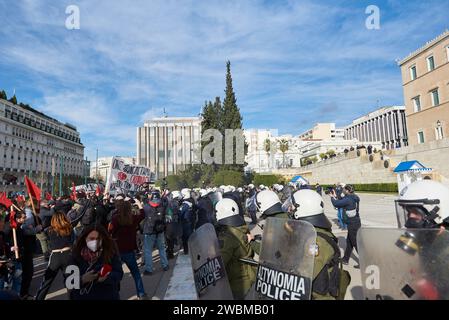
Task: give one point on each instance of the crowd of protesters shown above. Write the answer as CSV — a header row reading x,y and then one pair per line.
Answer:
x,y
97,233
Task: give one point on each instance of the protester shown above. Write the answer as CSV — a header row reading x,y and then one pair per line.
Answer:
x,y
30,227
5,252
15,276
61,237
339,195
100,266
123,229
154,227
45,214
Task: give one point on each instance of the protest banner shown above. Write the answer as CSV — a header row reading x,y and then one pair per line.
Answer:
x,y
124,177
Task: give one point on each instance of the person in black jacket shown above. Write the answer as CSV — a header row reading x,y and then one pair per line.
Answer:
x,y
45,214
80,214
100,266
61,237
349,205
153,230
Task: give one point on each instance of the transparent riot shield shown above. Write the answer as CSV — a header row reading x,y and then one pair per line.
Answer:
x,y
209,272
287,204
404,264
286,260
215,197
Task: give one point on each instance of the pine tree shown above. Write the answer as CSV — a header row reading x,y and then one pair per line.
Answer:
x,y
3,95
231,118
13,99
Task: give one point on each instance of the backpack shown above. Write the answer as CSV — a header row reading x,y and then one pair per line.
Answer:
x,y
336,283
154,221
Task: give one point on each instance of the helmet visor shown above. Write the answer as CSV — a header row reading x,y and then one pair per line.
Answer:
x,y
405,207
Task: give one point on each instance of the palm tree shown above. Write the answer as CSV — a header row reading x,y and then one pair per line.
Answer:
x,y
283,147
267,147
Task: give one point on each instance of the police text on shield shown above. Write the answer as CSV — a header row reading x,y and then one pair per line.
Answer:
x,y
279,285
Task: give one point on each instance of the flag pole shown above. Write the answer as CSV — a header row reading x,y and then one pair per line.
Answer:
x,y
14,237
61,163
85,173
96,168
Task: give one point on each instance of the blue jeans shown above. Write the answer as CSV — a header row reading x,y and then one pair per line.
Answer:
x,y
129,258
148,245
16,279
340,218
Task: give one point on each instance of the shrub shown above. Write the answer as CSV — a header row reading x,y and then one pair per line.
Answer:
x,y
268,179
228,177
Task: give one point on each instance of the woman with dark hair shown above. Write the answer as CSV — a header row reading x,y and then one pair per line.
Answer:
x,y
123,228
60,236
100,268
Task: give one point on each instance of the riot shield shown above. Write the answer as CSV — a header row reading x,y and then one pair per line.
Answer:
x,y
209,272
404,264
287,204
286,260
215,197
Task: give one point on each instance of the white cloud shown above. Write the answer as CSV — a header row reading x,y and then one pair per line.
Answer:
x,y
130,60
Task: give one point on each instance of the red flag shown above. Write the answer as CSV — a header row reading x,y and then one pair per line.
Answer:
x,y
97,191
20,198
4,200
33,190
48,196
12,220
73,195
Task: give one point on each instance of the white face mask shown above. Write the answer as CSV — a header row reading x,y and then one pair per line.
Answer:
x,y
92,245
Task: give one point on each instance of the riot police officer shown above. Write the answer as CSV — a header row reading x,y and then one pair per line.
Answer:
x,y
230,193
173,227
307,205
235,243
425,205
412,262
269,205
205,209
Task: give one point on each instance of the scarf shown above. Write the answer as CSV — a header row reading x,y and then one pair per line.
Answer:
x,y
89,256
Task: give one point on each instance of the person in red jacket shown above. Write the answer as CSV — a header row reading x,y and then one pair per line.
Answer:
x,y
123,228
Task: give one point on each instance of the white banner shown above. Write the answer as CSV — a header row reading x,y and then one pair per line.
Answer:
x,y
124,177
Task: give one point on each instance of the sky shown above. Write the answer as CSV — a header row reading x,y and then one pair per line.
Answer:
x,y
294,63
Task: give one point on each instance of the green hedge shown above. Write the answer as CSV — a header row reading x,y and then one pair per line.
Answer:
x,y
372,187
228,177
377,187
268,179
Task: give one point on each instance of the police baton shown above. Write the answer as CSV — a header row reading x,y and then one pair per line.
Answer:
x,y
249,261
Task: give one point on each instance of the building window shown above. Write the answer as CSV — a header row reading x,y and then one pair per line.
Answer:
x,y
420,137
413,74
416,104
435,97
447,53
430,63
